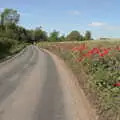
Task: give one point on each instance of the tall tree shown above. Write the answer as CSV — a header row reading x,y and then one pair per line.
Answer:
x,y
88,35
2,19
54,36
74,36
9,16
62,38
40,35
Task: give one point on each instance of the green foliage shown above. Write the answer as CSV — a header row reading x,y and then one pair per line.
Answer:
x,y
9,29
74,36
6,44
15,32
9,47
54,36
12,36
9,16
106,72
103,72
88,35
62,38
40,35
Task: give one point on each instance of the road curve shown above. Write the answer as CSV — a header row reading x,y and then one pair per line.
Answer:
x,y
32,88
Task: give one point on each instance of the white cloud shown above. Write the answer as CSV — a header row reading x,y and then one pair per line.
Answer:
x,y
1,9
75,12
96,24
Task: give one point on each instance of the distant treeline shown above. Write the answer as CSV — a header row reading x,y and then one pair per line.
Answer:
x,y
9,28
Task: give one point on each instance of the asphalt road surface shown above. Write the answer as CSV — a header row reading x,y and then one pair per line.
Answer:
x,y
32,88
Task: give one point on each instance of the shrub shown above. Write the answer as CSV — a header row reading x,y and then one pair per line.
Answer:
x,y
6,44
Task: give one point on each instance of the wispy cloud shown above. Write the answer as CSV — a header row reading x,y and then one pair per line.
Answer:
x,y
75,12
97,24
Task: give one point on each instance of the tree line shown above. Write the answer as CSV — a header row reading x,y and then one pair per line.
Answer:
x,y
9,28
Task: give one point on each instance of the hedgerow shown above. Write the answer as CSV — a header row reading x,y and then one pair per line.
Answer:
x,y
9,47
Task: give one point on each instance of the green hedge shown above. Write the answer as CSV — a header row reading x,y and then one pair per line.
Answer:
x,y
6,44
9,47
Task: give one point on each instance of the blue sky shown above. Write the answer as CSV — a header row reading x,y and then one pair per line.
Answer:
x,y
102,17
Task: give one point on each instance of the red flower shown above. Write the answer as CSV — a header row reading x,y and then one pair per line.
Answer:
x,y
80,48
94,51
103,52
116,84
100,51
101,55
106,51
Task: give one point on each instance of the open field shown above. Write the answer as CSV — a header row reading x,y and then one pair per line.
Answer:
x,y
96,65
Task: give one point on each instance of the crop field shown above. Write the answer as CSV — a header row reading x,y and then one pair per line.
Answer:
x,y
96,65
